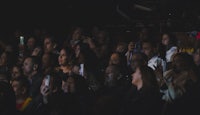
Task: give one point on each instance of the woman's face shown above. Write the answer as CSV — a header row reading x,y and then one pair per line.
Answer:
x,y
165,39
62,59
68,86
137,77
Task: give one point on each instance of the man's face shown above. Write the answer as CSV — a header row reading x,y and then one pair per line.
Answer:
x,y
27,66
31,43
46,60
147,49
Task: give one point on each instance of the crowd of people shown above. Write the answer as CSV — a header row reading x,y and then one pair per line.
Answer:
x,y
91,73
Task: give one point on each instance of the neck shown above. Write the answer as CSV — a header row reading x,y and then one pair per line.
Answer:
x,y
20,99
139,86
65,68
32,74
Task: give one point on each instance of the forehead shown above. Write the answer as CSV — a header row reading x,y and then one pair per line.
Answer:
x,y
47,39
146,44
15,82
31,39
28,60
15,68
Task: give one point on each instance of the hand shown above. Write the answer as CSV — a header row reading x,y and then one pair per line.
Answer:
x,y
159,73
44,90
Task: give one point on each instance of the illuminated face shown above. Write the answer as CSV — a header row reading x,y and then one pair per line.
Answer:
x,y
62,59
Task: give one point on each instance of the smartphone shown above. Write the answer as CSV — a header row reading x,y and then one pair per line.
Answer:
x,y
81,70
21,40
47,80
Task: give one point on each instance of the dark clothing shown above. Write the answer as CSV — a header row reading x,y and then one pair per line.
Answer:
x,y
187,104
138,102
75,104
38,107
36,82
108,100
7,99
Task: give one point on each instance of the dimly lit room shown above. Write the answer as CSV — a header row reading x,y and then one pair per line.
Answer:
x,y
100,57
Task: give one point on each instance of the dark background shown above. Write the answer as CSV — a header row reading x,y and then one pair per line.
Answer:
x,y
183,15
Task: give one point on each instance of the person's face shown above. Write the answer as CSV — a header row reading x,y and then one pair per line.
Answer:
x,y
17,89
3,59
165,39
15,72
31,43
69,85
110,77
121,48
77,34
137,77
131,46
101,36
48,45
77,50
62,59
114,59
147,49
27,66
45,60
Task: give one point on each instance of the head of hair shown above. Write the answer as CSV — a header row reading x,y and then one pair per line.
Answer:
x,y
172,38
7,99
148,78
23,82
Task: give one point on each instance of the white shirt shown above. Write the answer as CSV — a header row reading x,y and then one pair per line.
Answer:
x,y
170,52
155,61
